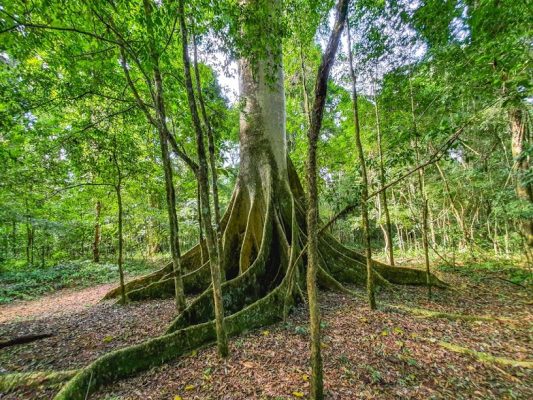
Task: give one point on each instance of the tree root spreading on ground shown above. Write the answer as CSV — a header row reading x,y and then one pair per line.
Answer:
x,y
262,242
9,382
482,357
424,313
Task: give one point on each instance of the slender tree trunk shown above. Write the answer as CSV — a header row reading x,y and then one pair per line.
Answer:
x,y
524,189
432,228
506,239
164,135
364,177
14,238
120,257
383,195
304,88
422,191
200,224
96,241
212,157
32,245
29,236
317,384
210,234
459,215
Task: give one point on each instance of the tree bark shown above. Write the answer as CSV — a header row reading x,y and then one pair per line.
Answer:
x,y
96,241
212,157
422,191
364,177
388,226
164,135
120,257
321,87
524,190
210,235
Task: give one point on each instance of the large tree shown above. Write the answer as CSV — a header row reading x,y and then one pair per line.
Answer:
x,y
263,229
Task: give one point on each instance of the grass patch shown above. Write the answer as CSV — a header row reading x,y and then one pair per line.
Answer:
x,y
29,283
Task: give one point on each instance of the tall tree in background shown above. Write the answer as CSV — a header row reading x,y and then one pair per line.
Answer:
x,y
96,241
364,179
389,247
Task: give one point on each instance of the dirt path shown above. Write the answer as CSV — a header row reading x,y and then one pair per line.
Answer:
x,y
60,302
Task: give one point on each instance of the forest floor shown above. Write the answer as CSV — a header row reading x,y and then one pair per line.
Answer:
x,y
392,353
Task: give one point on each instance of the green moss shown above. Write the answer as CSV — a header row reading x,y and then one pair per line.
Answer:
x,y
9,382
449,316
485,357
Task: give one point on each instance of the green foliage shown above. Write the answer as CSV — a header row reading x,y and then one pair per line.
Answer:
x,y
70,125
492,269
25,284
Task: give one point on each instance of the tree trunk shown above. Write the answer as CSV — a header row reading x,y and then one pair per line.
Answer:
x,y
14,239
364,177
203,183
383,195
200,223
212,158
164,135
29,235
422,191
120,257
307,107
96,241
317,384
524,189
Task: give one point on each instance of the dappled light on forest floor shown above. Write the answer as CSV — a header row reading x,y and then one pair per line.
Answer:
x,y
389,353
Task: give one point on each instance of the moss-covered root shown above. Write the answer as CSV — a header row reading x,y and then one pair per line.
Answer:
x,y
191,260
130,360
408,276
10,382
424,313
140,282
483,357
193,282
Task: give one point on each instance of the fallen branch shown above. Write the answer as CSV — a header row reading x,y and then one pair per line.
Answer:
x,y
24,339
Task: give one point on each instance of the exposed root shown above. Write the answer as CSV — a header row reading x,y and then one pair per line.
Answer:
x,y
10,382
124,362
263,237
423,313
140,282
237,293
190,262
329,282
408,276
483,357
193,282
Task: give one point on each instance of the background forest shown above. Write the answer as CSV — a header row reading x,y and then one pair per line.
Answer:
x,y
193,172
431,73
